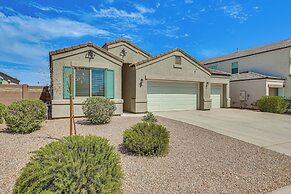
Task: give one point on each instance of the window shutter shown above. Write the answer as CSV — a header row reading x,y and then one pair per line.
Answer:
x,y
109,84
66,82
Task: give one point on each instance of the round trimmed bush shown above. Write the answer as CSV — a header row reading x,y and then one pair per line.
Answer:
x,y
2,112
25,116
77,164
147,139
98,110
150,117
273,104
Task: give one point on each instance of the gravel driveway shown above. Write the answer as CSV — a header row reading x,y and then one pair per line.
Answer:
x,y
199,161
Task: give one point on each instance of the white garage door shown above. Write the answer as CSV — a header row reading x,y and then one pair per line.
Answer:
x,y
167,96
216,93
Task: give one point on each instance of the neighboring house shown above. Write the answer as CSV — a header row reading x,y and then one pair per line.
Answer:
x,y
7,79
256,72
134,80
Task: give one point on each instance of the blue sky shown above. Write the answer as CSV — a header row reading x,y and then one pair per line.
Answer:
x,y
204,29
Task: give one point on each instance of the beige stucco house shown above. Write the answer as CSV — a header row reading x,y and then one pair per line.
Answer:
x,y
136,81
256,72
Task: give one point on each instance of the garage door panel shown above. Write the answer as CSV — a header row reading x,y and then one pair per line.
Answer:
x,y
166,96
216,93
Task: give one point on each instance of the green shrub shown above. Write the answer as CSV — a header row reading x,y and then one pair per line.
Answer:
x,y
77,164
147,139
2,112
98,110
25,116
149,117
274,104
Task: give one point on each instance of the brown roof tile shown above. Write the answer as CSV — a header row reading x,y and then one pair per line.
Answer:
x,y
249,75
83,46
169,52
125,41
249,52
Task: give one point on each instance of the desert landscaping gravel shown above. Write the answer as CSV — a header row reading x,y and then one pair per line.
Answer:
x,y
199,161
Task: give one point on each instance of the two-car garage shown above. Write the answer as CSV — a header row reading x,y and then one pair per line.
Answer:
x,y
168,96
171,96
173,81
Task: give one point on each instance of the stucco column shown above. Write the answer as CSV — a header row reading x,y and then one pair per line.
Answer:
x,y
226,97
206,104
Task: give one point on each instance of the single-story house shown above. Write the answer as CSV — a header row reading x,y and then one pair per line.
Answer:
x,y
7,79
135,80
248,87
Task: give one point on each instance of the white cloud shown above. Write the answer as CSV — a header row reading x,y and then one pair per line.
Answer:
x,y
235,11
48,8
112,12
142,9
26,40
256,8
169,31
158,5
188,1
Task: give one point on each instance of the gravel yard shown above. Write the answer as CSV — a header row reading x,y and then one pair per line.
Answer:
x,y
199,161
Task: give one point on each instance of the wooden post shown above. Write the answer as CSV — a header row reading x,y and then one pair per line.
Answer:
x,y
71,107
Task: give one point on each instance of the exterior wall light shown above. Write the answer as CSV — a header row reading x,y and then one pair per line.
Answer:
x,y
141,82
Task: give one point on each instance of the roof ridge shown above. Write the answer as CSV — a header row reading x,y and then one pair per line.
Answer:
x,y
126,41
169,52
9,76
256,50
75,47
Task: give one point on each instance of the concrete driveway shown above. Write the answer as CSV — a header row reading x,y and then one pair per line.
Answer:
x,y
272,131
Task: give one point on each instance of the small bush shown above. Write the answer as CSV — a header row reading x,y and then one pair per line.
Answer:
x,y
147,139
25,116
98,110
149,117
274,104
2,112
74,164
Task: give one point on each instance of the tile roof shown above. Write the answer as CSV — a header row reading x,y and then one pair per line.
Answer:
x,y
90,44
248,52
167,53
218,72
13,79
125,41
252,76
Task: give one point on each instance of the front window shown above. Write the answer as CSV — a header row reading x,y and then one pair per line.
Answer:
x,y
82,82
234,67
214,67
98,86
